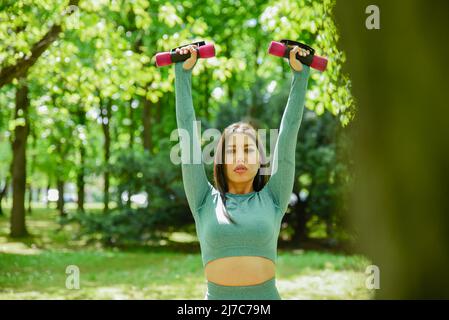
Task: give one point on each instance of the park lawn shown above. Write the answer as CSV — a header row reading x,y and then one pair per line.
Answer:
x,y
35,268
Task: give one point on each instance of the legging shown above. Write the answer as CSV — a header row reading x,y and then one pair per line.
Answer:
x,y
263,291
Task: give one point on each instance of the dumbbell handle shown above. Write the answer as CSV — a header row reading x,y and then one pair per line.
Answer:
x,y
203,51
177,57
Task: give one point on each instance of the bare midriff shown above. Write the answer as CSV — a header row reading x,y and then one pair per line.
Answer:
x,y
240,270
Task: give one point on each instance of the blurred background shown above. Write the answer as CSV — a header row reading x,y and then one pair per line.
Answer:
x,y
85,125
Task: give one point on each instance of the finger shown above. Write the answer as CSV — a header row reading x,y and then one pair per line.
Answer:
x,y
293,52
193,51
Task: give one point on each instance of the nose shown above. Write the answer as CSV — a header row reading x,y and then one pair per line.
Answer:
x,y
240,157
240,161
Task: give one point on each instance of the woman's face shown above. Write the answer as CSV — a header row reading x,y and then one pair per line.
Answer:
x,y
241,158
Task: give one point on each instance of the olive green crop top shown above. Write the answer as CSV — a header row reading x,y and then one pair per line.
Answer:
x,y
258,215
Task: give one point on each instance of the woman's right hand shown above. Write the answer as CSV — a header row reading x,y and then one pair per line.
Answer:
x,y
190,62
295,64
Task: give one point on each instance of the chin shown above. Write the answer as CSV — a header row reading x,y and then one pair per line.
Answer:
x,y
235,177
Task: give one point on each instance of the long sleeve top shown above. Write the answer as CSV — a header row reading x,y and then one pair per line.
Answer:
x,y
258,214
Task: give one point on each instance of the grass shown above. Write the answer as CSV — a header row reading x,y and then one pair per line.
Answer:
x,y
35,268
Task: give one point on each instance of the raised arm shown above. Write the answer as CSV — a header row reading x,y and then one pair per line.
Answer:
x,y
281,181
194,176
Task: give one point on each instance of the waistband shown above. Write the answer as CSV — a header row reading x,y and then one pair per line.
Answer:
x,y
265,290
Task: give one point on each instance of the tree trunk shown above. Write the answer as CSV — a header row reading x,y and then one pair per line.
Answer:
x,y
3,194
18,227
39,194
106,119
131,125
206,96
254,107
32,134
61,202
398,202
299,223
30,198
159,108
46,193
146,120
20,68
80,183
229,81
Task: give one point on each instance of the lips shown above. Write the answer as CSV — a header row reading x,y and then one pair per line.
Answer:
x,y
240,169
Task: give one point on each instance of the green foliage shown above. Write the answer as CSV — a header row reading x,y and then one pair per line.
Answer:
x,y
120,227
137,172
98,82
323,169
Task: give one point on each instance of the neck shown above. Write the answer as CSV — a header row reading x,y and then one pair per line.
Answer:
x,y
240,188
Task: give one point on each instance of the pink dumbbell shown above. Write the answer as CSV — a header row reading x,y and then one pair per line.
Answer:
x,y
166,58
282,49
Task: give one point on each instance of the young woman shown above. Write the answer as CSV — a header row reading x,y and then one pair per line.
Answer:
x,y
238,219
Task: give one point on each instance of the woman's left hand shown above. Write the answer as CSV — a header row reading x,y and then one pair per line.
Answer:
x,y
294,62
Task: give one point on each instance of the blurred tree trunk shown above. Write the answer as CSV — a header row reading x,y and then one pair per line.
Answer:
x,y
299,219
80,183
18,227
147,127
106,107
61,202
206,94
3,194
61,152
30,198
32,134
147,133
46,193
158,116
255,92
39,194
4,190
20,68
400,206
132,126
230,81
